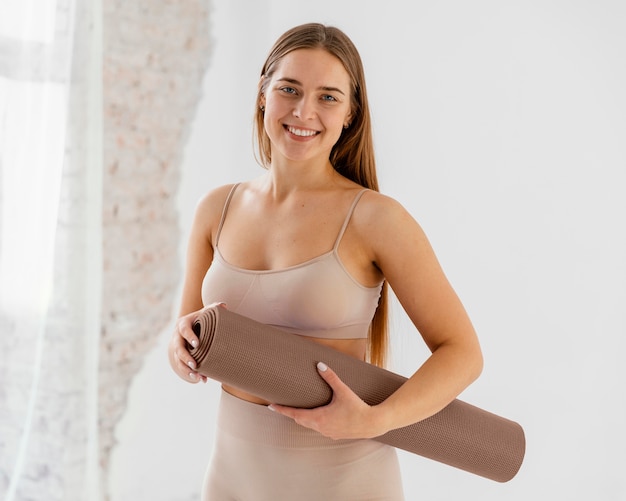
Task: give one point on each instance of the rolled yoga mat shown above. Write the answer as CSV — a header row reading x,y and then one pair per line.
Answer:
x,y
280,367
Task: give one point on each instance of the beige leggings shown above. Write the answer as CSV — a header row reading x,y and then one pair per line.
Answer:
x,y
262,456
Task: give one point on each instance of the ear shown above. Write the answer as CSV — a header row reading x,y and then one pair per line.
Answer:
x,y
347,121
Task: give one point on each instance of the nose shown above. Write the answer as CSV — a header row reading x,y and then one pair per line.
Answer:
x,y
304,108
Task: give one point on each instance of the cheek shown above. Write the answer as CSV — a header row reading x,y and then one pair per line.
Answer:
x,y
271,117
272,123
335,128
275,110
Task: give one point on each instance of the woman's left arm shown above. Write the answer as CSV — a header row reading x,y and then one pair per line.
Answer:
x,y
399,248
403,253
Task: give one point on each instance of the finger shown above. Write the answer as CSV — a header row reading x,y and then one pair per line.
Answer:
x,y
184,327
185,358
331,377
333,380
290,412
196,377
186,373
223,305
212,305
180,359
303,417
180,349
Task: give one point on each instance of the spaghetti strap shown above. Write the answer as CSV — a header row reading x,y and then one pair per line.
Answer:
x,y
348,216
224,211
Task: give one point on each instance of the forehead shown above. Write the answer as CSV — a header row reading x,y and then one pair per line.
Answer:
x,y
313,66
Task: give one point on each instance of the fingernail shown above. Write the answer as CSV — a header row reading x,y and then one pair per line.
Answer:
x,y
270,407
190,364
321,366
192,375
194,343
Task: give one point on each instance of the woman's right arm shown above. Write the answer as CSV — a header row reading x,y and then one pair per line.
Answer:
x,y
199,258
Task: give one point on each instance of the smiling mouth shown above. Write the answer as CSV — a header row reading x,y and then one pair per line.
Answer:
x,y
301,132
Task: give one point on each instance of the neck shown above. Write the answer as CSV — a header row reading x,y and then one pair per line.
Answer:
x,y
285,177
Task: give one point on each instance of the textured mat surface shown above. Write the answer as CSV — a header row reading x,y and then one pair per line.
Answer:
x,y
281,368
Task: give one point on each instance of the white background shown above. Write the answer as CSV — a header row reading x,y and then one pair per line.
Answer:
x,y
501,126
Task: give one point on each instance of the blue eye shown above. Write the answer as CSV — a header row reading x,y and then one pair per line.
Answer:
x,y
329,98
288,90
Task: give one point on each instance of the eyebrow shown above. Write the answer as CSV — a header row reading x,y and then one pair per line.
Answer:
x,y
326,88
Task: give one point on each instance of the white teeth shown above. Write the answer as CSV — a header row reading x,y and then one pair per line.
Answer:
x,y
300,132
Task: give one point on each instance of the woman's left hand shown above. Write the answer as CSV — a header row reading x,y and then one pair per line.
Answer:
x,y
345,417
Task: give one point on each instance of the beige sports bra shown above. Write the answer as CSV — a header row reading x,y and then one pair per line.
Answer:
x,y
317,298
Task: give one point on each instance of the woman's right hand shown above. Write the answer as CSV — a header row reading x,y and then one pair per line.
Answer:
x,y
180,359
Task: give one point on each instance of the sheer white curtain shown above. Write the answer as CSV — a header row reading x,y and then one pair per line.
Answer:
x,y
50,248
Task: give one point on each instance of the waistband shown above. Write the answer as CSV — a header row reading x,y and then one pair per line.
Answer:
x,y
258,424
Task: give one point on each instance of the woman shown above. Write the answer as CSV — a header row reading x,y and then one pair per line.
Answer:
x,y
310,247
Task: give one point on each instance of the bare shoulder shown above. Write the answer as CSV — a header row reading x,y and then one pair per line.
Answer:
x,y
209,209
378,213
214,200
389,232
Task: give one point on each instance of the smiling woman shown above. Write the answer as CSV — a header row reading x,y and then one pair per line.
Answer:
x,y
306,105
354,147
309,247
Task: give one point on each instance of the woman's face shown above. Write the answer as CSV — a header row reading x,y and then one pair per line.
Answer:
x,y
307,104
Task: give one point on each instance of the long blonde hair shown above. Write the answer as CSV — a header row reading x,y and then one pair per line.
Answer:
x,y
353,154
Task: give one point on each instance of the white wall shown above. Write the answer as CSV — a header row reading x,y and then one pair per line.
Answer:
x,y
501,126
